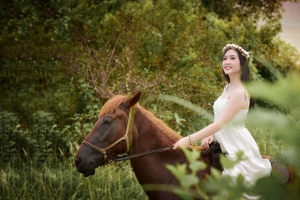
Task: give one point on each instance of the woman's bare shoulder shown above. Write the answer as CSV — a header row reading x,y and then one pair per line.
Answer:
x,y
239,94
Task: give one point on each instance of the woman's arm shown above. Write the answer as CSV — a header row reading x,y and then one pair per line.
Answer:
x,y
235,104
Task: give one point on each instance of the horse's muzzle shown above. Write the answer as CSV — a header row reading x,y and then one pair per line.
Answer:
x,y
86,171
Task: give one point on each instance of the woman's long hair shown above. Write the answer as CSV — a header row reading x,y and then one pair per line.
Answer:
x,y
245,73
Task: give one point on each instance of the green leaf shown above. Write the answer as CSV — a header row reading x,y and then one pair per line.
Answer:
x,y
189,180
183,194
179,171
191,155
197,165
216,173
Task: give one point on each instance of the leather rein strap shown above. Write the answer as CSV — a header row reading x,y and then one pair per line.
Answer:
x,y
122,158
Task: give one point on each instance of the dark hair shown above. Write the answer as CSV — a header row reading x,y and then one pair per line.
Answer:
x,y
245,74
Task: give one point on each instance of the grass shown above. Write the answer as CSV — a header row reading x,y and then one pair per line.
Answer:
x,y
39,181
267,145
58,179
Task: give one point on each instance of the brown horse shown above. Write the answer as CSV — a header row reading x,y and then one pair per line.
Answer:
x,y
115,134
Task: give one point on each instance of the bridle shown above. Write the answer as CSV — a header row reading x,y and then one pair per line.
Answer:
x,y
125,137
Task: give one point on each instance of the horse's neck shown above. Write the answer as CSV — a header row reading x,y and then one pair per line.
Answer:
x,y
149,135
151,168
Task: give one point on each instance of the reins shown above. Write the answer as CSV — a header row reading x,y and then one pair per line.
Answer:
x,y
128,157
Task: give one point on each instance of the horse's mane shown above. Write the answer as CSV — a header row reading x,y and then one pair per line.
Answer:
x,y
117,100
160,124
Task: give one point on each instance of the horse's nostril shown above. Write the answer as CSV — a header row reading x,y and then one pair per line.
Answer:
x,y
78,160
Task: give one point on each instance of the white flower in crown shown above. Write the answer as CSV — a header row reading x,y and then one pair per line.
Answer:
x,y
237,47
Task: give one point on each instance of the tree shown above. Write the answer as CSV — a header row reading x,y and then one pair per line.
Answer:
x,y
154,46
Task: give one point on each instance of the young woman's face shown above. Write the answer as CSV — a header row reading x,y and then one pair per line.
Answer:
x,y
231,63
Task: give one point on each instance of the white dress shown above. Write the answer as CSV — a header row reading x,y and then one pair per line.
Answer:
x,y
235,137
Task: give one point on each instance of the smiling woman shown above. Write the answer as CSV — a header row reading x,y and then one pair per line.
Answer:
x,y
228,128
239,57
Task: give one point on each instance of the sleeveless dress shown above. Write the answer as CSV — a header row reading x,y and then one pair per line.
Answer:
x,y
235,137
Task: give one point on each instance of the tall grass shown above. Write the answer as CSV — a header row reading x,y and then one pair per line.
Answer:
x,y
267,145
58,179
32,180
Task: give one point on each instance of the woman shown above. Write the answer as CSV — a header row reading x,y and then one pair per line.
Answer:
x,y
230,111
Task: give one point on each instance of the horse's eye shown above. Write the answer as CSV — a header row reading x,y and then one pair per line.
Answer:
x,y
108,120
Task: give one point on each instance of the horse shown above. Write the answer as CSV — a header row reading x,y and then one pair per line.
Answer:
x,y
123,126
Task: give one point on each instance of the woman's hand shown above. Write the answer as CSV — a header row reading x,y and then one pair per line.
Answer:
x,y
206,141
183,142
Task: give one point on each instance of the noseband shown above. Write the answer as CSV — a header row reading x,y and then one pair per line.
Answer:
x,y
125,137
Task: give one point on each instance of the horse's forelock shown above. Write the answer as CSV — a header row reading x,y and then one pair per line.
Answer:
x,y
112,104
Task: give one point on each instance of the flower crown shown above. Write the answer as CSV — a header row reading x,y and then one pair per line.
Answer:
x,y
237,47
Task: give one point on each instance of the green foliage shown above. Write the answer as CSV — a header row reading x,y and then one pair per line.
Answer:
x,y
188,180
188,105
44,138
222,187
130,46
42,111
60,180
31,86
285,93
8,127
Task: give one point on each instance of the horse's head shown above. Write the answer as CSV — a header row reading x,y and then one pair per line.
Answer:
x,y
110,136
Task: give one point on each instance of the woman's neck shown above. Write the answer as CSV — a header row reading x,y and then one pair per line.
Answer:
x,y
235,81
235,84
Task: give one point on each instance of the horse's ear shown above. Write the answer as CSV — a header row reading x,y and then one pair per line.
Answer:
x,y
133,100
111,95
